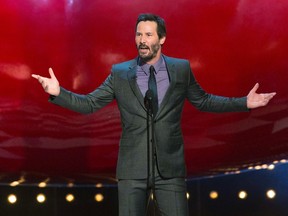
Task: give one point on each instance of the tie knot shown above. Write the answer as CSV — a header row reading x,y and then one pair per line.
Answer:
x,y
152,69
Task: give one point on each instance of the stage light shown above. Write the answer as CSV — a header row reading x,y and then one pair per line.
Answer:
x,y
242,194
271,167
41,198
70,197
16,183
276,161
99,185
271,194
99,197
12,199
187,195
264,166
70,184
213,194
42,184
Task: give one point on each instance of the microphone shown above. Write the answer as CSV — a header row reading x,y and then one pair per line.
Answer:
x,y
148,99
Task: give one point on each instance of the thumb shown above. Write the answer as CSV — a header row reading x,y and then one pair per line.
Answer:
x,y
254,89
52,75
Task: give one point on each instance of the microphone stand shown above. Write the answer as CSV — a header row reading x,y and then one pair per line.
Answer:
x,y
151,153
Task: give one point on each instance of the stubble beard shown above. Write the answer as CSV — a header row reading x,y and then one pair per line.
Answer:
x,y
152,54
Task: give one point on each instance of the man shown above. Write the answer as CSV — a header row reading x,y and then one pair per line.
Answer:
x,y
128,83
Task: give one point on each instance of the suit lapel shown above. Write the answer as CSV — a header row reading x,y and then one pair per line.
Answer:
x,y
131,75
172,75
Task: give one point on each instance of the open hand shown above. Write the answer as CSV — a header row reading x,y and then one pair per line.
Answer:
x,y
255,100
50,85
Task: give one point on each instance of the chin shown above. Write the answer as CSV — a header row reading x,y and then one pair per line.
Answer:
x,y
145,57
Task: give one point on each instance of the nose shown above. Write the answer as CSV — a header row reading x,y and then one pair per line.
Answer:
x,y
142,40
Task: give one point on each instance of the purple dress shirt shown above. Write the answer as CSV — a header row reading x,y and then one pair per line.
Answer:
x,y
162,78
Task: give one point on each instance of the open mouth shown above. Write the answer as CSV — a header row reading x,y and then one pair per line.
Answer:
x,y
143,50
142,47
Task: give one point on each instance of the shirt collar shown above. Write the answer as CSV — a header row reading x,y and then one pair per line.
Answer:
x,y
145,67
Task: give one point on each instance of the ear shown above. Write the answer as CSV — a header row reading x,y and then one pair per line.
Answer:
x,y
162,40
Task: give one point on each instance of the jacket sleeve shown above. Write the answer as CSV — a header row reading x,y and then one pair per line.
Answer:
x,y
213,103
88,103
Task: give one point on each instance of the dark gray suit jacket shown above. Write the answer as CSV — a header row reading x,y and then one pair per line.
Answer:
x,y
121,85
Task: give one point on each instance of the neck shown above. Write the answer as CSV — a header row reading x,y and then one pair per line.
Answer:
x,y
153,60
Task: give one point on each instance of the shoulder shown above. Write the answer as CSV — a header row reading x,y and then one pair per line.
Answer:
x,y
175,60
178,63
124,66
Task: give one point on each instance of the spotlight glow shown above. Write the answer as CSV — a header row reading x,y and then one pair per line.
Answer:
x,y
41,198
99,197
264,166
214,195
99,185
12,199
70,184
14,183
271,194
242,194
42,184
70,197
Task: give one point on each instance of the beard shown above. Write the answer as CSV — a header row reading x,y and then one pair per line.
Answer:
x,y
152,52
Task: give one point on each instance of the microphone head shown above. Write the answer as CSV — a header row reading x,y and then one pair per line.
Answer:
x,y
149,94
148,100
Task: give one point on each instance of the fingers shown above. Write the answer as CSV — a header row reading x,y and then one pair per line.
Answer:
x,y
35,76
49,84
269,96
255,100
265,95
52,75
255,88
41,80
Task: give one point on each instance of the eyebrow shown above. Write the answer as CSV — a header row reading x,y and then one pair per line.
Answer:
x,y
144,33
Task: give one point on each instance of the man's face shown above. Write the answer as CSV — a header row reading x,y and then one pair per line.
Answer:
x,y
147,41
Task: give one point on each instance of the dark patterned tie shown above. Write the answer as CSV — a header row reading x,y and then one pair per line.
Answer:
x,y
153,87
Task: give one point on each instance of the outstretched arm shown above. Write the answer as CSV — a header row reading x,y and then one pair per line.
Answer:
x,y
255,100
50,85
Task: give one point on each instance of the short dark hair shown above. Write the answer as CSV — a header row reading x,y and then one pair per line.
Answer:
x,y
161,27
